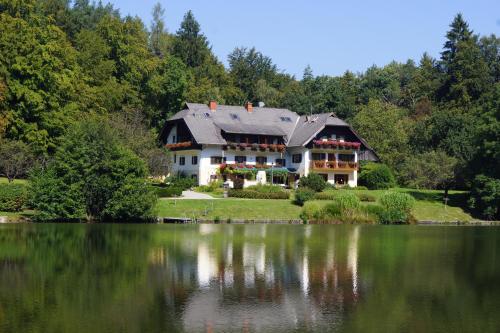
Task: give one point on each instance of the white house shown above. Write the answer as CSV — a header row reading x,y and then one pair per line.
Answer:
x,y
210,142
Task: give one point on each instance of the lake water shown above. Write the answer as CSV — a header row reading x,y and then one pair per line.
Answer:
x,y
249,278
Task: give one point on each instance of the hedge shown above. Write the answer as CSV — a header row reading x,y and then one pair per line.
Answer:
x,y
13,197
250,194
169,191
332,195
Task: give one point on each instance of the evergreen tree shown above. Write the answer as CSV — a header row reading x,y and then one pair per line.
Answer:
x,y
190,45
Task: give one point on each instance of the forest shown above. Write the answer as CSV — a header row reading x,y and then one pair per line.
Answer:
x,y
435,123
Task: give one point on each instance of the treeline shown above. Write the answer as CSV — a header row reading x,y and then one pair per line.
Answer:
x,y
435,122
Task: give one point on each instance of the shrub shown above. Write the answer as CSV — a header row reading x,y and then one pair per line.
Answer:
x,y
485,197
184,183
238,183
376,176
347,203
249,194
132,200
313,181
211,187
12,197
302,195
360,188
169,191
311,211
397,207
265,188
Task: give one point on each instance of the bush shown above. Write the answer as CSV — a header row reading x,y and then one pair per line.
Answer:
x,y
265,188
132,200
12,197
211,187
238,183
347,203
169,191
311,211
485,197
376,176
249,194
360,188
397,207
185,183
302,195
313,181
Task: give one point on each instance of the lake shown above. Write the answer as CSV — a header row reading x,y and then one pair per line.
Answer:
x,y
248,278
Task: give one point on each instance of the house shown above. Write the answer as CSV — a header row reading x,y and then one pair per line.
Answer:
x,y
259,144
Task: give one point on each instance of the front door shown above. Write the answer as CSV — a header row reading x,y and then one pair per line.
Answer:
x,y
341,179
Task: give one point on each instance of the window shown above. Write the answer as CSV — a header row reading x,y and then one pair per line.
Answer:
x,y
346,157
175,158
234,116
215,159
182,160
318,156
240,159
341,138
195,177
173,139
334,137
286,119
297,158
194,160
207,115
280,162
261,159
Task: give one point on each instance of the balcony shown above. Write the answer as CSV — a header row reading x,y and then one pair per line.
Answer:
x,y
334,144
179,145
333,166
255,147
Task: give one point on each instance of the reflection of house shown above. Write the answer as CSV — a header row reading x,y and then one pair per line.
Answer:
x,y
213,141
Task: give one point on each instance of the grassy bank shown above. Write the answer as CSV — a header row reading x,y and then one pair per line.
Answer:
x,y
229,208
428,206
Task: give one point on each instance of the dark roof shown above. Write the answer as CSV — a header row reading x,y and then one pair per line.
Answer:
x,y
206,125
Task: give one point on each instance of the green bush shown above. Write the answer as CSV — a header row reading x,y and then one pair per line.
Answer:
x,y
360,188
485,197
238,183
185,183
211,187
265,188
250,194
397,207
169,191
347,202
12,197
311,211
376,176
313,181
302,195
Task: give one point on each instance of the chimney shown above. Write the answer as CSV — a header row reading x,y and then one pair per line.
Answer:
x,y
249,107
212,105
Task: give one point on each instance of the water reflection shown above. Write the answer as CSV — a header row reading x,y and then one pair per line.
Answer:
x,y
248,278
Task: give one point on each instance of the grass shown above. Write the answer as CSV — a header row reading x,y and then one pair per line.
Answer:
x,y
229,208
4,180
428,206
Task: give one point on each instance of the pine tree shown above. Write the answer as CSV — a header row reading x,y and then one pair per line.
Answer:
x,y
190,45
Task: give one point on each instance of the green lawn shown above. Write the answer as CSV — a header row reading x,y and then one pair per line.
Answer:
x,y
4,180
429,206
229,208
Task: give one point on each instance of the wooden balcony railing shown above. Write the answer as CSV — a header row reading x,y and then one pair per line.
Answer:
x,y
333,165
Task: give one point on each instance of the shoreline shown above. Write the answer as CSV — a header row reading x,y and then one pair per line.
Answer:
x,y
187,220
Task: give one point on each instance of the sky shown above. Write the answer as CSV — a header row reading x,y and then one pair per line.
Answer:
x,y
330,36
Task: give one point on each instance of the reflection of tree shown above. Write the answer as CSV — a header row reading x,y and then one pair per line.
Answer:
x,y
138,278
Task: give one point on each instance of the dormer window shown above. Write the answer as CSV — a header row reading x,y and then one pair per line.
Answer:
x,y
234,116
341,138
286,119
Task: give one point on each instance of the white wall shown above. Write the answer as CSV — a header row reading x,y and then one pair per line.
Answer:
x,y
188,168
173,132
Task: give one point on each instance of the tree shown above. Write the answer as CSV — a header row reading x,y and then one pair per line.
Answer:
x,y
247,67
467,72
385,128
429,170
92,175
190,45
16,159
158,38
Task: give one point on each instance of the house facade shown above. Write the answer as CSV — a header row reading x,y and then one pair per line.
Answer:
x,y
258,144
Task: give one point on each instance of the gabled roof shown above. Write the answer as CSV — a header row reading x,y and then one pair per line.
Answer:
x,y
206,125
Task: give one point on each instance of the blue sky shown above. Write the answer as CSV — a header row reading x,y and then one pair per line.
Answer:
x,y
330,36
